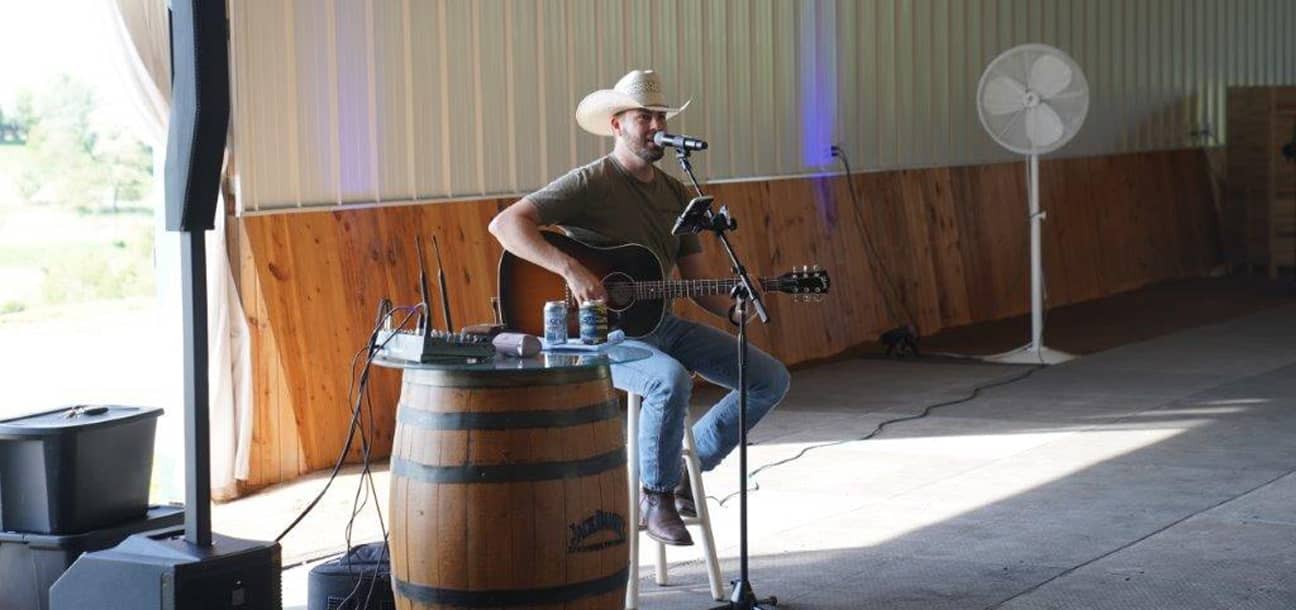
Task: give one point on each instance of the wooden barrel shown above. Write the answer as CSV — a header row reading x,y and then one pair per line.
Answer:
x,y
508,490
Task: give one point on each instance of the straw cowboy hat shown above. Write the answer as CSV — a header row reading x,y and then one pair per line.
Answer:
x,y
637,89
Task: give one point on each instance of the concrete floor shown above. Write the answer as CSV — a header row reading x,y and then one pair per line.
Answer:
x,y
1154,475
1158,474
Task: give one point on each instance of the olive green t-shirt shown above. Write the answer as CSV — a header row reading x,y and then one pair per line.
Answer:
x,y
603,204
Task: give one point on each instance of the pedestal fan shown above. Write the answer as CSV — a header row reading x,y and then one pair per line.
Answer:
x,y
1032,100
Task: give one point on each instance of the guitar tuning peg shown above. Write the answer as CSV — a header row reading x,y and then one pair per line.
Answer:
x,y
818,268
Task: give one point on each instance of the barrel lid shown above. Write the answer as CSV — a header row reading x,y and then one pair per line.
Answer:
x,y
73,418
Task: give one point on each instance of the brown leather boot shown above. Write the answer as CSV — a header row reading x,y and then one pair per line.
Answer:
x,y
657,515
685,505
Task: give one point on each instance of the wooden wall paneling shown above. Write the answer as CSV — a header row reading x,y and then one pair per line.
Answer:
x,y
1247,183
965,188
276,452
1138,236
867,292
1054,233
1138,178
317,265
1077,229
860,285
895,250
1155,203
1108,191
1171,219
801,234
856,304
953,241
364,277
861,273
998,213
1199,185
1180,214
921,191
946,238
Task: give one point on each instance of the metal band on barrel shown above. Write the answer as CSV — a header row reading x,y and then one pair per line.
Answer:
x,y
424,594
508,420
508,473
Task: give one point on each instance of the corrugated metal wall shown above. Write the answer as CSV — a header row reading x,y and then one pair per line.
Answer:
x,y
370,101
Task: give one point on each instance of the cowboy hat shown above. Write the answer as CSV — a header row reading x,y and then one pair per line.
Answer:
x,y
637,89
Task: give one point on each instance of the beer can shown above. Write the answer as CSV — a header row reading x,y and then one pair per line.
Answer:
x,y
555,322
593,322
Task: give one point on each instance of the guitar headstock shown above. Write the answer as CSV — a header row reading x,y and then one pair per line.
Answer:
x,y
805,283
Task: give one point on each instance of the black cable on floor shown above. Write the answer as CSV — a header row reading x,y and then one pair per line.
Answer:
x,y
925,412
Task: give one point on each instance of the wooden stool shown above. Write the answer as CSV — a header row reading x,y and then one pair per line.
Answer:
x,y
703,520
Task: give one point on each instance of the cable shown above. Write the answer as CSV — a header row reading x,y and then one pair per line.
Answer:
x,y
875,258
877,430
373,348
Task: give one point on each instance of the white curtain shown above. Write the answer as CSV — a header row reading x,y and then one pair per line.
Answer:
x,y
142,57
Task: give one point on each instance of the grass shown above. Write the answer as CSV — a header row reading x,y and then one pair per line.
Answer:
x,y
51,257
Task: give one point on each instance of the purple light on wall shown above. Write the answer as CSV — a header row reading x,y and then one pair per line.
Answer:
x,y
818,76
818,103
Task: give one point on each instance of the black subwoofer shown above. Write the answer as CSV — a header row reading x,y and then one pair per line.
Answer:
x,y
359,580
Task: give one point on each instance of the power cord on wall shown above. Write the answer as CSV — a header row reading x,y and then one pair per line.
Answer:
x,y
902,340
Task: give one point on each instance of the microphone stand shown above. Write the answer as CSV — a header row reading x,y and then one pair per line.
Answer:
x,y
743,294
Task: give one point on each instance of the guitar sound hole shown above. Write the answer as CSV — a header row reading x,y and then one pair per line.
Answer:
x,y
621,291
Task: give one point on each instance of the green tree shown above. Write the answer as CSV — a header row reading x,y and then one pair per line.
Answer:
x,y
76,160
128,162
24,111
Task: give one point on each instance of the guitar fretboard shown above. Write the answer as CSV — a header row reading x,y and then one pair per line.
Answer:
x,y
674,289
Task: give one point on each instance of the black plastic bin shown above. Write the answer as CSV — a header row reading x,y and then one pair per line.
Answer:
x,y
75,469
30,563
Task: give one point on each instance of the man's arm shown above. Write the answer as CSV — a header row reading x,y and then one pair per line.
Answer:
x,y
518,229
692,267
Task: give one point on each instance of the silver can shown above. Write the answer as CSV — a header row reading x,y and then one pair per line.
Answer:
x,y
593,322
555,322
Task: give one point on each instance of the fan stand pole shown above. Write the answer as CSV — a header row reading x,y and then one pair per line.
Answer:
x,y
1035,352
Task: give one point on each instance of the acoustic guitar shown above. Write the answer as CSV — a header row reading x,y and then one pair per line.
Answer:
x,y
633,278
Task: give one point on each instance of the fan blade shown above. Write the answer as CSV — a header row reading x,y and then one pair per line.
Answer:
x,y
1043,126
1049,76
1002,96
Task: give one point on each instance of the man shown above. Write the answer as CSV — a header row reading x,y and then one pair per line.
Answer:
x,y
624,198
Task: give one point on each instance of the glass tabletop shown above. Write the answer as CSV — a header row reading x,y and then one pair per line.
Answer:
x,y
548,359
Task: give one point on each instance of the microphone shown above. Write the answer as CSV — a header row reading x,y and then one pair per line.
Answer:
x,y
663,139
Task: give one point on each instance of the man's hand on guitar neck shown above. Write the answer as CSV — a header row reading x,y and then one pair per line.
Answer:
x,y
584,285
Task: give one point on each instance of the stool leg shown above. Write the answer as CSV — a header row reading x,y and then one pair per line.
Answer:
x,y
704,515
662,579
632,529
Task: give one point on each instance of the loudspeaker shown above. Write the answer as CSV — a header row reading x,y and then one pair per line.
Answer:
x,y
359,580
200,109
159,570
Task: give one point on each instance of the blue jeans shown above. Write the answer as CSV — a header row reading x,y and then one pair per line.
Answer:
x,y
664,380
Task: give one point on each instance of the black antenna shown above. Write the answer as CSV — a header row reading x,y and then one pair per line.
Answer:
x,y
425,317
445,296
